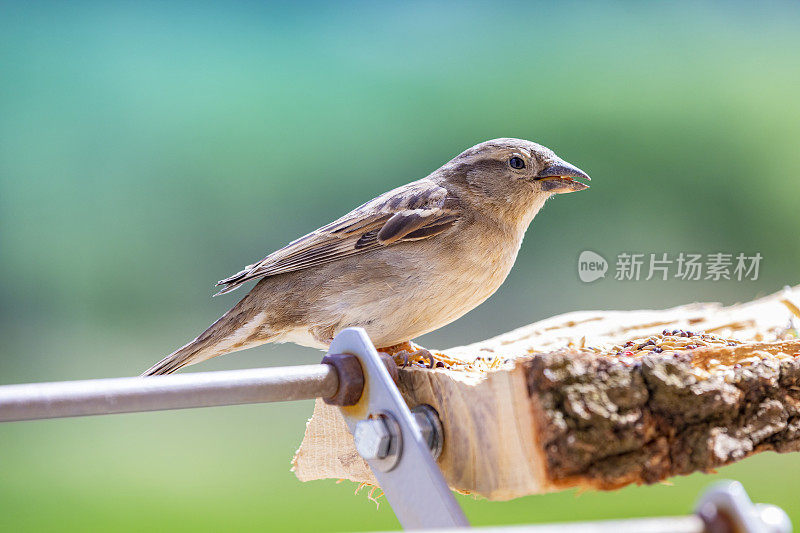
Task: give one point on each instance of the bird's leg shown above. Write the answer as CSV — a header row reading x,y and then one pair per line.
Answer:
x,y
408,346
402,351
409,350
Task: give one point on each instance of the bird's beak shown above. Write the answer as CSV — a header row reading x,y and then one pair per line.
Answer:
x,y
558,178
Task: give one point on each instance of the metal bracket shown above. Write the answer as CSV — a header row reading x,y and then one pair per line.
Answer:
x,y
390,440
726,504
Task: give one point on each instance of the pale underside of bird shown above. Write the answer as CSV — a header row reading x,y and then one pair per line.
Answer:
x,y
403,264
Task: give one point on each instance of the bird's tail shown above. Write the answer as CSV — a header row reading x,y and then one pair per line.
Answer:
x,y
239,328
185,355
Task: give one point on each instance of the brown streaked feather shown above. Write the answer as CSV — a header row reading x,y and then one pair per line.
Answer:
x,y
419,210
429,230
401,225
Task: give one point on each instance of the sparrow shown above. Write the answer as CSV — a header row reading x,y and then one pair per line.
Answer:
x,y
403,264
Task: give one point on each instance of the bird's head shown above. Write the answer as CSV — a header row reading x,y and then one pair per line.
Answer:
x,y
513,174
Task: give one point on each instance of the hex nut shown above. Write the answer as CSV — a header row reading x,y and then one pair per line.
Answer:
x,y
351,379
372,438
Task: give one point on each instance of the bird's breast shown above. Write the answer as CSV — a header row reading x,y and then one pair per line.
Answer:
x,y
446,280
477,265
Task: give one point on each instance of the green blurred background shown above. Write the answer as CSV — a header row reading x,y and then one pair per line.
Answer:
x,y
147,150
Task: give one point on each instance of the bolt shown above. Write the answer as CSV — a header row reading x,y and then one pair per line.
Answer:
x,y
430,426
372,438
424,427
774,518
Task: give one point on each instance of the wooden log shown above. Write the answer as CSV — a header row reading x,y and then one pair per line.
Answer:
x,y
556,404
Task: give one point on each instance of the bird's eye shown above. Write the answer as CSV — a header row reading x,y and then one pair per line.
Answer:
x,y
516,163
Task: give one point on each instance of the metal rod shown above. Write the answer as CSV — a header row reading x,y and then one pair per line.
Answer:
x,y
202,389
668,524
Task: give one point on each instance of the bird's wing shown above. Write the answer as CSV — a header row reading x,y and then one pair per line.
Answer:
x,y
412,212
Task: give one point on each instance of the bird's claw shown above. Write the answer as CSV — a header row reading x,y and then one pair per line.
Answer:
x,y
425,354
404,356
